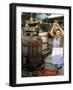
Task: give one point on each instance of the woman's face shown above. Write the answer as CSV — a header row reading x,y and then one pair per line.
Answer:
x,y
58,33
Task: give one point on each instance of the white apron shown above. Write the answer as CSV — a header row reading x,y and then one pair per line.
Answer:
x,y
57,56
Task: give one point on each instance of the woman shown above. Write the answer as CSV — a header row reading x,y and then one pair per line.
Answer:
x,y
57,50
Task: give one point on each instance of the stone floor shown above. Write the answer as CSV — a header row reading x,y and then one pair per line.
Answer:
x,y
48,64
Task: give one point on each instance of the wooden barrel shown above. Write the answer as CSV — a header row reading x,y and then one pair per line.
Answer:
x,y
33,54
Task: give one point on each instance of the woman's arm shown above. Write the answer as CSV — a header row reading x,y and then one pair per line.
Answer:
x,y
52,30
62,32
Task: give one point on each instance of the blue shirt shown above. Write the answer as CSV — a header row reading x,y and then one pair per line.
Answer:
x,y
56,42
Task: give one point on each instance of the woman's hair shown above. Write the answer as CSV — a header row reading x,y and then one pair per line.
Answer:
x,y
56,27
54,32
58,30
